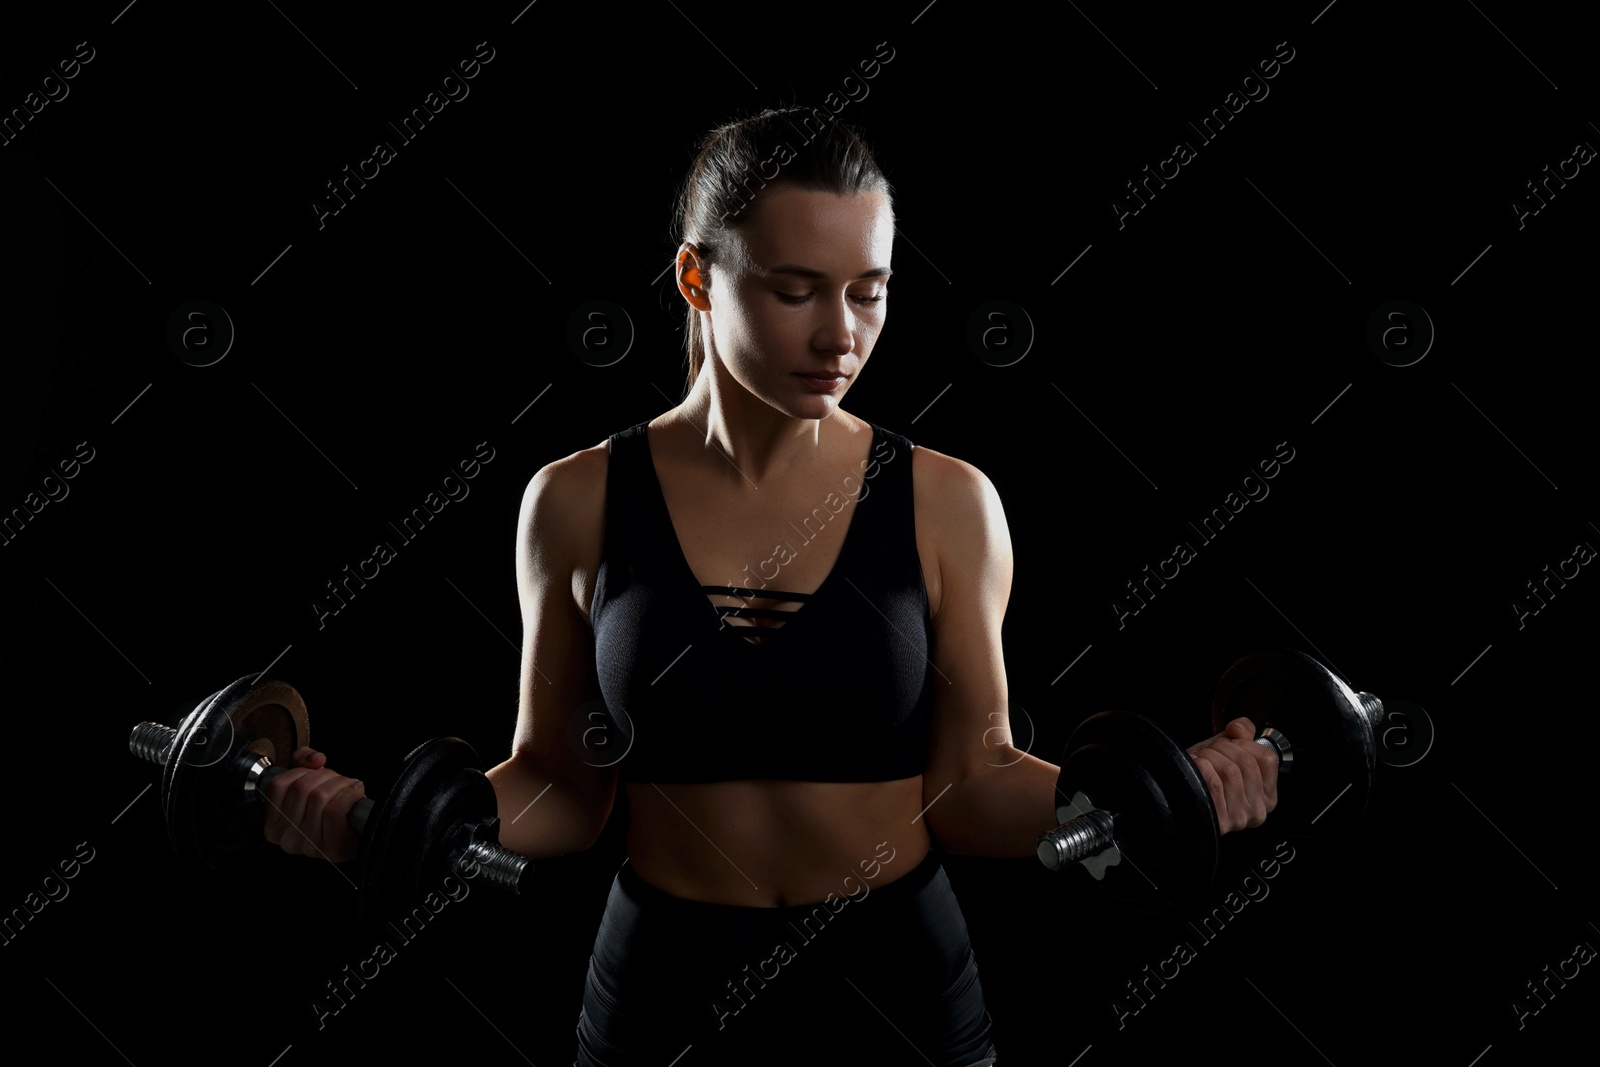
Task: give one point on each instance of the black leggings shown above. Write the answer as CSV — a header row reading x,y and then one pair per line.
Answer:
x,y
684,983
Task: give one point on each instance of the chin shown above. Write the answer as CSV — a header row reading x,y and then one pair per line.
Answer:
x,y
809,407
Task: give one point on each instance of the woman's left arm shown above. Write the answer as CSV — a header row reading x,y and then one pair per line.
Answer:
x,y
984,796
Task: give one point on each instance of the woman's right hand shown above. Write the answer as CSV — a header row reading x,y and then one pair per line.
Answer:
x,y
308,809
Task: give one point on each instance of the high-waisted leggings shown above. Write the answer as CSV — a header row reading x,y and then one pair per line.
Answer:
x,y
877,975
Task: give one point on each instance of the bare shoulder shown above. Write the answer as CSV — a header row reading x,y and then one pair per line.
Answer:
x,y
580,472
564,491
961,524
562,524
948,490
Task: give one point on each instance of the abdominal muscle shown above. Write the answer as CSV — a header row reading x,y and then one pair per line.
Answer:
x,y
767,843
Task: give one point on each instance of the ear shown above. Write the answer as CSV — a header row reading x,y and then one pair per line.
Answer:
x,y
691,272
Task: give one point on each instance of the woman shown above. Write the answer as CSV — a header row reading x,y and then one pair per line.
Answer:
x,y
792,617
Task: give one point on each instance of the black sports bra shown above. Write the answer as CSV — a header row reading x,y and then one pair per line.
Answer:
x,y
835,690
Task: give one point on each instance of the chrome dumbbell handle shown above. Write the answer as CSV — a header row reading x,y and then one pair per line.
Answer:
x,y
1276,740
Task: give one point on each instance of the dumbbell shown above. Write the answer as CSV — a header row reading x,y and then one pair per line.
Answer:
x,y
1134,812
440,816
1137,816
1334,730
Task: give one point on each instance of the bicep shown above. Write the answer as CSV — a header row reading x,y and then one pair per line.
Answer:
x,y
559,693
970,724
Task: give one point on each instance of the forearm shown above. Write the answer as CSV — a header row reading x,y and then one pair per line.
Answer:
x,y
997,809
540,815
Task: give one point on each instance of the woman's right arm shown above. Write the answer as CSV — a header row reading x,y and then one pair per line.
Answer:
x,y
552,801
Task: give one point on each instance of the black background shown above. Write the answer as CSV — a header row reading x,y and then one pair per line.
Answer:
x,y
1224,318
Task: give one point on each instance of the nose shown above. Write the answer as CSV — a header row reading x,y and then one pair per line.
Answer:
x,y
835,333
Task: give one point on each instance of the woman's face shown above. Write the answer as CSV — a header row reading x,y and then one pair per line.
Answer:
x,y
802,290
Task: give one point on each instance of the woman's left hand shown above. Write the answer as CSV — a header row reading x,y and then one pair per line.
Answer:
x,y
1241,775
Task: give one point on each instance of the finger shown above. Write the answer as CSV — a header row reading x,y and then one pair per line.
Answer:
x,y
1267,757
1253,803
340,839
306,756
1236,729
1199,747
324,822
296,810
1241,728
1264,780
279,824
1214,773
1233,785
1263,756
1219,798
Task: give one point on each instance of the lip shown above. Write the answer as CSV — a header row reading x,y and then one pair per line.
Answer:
x,y
826,382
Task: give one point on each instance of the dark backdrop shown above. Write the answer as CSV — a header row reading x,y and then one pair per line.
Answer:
x,y
1174,346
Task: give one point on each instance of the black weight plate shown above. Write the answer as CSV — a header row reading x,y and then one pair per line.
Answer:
x,y
1165,824
1335,754
209,818
464,799
453,794
405,838
176,774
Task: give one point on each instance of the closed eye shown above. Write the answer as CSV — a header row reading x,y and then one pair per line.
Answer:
x,y
864,301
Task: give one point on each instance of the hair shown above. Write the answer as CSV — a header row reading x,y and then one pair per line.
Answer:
x,y
734,166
